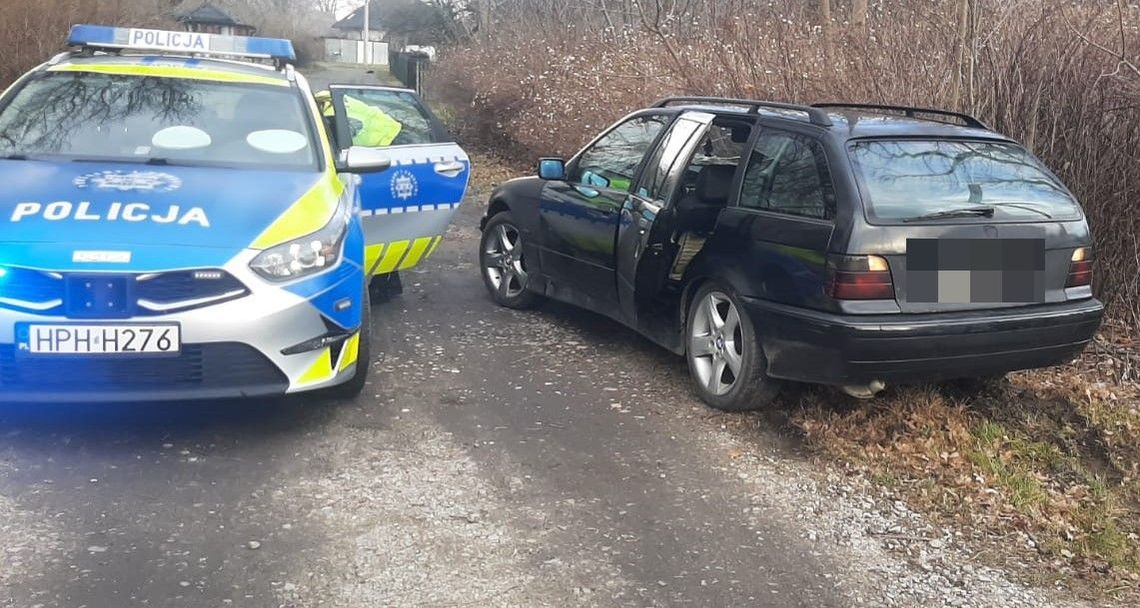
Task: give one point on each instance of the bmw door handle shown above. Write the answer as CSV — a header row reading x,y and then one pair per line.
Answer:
x,y
449,169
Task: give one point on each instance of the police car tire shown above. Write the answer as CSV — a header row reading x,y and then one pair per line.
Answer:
x,y
526,298
355,386
753,389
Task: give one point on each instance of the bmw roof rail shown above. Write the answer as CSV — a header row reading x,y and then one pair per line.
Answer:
x,y
908,111
815,115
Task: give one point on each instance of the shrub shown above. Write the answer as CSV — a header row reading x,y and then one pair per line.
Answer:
x,y
1049,74
32,31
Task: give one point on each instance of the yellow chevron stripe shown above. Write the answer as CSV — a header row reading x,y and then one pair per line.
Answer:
x,y
434,246
417,252
350,353
372,257
309,214
171,71
320,370
393,256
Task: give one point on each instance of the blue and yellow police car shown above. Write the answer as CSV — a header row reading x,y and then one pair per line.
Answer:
x,y
179,221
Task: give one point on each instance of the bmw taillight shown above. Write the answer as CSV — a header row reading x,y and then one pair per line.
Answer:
x,y
859,277
1080,267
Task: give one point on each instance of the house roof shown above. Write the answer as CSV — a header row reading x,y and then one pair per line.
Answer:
x,y
355,20
207,13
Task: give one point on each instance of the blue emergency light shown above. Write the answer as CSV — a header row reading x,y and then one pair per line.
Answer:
x,y
197,43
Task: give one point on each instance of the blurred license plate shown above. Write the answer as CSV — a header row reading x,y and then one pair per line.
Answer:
x,y
99,339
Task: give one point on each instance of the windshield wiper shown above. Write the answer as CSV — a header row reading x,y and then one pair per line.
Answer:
x,y
14,157
155,160
1023,206
979,211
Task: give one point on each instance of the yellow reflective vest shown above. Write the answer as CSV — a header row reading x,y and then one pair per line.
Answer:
x,y
377,128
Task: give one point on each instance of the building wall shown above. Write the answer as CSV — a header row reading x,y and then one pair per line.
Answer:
x,y
373,35
342,50
224,30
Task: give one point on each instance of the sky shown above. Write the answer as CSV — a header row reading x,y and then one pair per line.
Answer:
x,y
347,6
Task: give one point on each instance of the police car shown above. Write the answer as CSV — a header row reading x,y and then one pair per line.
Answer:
x,y
177,221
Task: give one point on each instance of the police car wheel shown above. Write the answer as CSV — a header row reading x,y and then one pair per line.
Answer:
x,y
384,287
503,264
355,386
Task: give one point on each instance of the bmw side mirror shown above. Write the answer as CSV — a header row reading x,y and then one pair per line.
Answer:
x,y
552,169
358,159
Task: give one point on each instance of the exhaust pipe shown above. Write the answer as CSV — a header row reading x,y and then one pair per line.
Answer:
x,y
864,391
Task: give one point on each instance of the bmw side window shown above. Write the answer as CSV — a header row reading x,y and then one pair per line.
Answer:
x,y
787,173
613,160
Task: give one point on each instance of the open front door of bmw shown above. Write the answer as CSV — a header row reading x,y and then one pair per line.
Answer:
x,y
407,208
641,260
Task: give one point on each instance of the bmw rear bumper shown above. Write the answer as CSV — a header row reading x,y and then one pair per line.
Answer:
x,y
813,346
233,349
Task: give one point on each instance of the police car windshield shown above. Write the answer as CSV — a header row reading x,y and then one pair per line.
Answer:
x,y
114,118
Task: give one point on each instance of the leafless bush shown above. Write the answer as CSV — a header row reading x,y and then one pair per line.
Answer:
x,y
1060,77
31,30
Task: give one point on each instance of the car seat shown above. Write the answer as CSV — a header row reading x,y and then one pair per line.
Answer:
x,y
698,208
697,212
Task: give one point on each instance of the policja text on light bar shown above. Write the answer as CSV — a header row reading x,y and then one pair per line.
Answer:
x,y
101,36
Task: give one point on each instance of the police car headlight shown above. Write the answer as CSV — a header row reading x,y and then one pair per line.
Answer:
x,y
307,255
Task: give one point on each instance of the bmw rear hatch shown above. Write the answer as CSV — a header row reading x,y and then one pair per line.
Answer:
x,y
969,224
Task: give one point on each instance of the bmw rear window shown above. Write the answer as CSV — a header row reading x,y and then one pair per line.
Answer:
x,y
905,180
145,119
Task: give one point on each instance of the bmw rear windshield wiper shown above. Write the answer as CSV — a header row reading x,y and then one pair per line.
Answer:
x,y
979,211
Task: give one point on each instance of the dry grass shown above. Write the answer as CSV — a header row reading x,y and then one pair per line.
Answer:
x,y
1050,454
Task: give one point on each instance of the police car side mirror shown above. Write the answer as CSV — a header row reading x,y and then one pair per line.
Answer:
x,y
358,159
552,169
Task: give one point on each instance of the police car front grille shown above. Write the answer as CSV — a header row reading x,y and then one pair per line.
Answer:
x,y
185,289
154,293
31,290
209,366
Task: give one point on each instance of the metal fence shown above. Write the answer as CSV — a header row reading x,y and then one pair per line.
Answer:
x,y
409,68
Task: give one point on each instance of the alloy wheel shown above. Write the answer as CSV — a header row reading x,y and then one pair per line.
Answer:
x,y
503,261
716,343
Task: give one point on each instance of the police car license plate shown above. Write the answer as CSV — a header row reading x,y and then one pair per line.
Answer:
x,y
117,339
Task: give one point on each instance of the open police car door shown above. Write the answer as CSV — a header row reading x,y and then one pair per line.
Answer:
x,y
407,208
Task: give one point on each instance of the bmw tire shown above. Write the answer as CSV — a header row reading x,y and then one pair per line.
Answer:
x,y
726,361
502,264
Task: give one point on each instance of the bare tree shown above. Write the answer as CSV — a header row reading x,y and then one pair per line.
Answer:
x,y
327,6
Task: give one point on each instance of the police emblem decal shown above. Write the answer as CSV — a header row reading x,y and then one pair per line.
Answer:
x,y
404,185
129,181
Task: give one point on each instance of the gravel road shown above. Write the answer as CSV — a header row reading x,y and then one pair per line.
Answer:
x,y
497,458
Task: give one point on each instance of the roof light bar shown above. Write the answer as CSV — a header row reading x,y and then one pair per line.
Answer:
x,y
101,36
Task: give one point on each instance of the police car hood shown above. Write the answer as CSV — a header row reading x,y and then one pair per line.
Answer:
x,y
163,216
